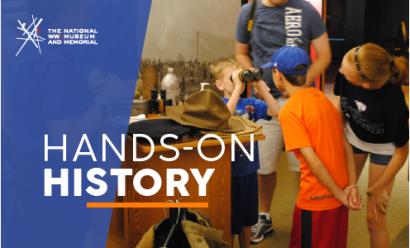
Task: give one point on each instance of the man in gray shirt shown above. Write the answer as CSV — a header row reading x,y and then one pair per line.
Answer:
x,y
277,23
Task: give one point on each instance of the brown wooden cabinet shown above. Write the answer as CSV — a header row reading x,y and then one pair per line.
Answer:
x,y
129,225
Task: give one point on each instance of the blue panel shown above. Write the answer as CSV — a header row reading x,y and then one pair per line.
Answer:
x,y
67,89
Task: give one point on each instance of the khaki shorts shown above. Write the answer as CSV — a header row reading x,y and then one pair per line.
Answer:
x,y
270,149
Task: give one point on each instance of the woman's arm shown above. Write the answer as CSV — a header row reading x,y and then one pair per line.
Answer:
x,y
395,164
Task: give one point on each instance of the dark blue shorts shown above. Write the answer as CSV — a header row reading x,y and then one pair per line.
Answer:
x,y
244,202
374,158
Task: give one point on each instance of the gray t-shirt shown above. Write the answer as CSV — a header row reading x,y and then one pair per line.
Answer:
x,y
295,23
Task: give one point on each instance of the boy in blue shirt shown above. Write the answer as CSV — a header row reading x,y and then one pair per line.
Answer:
x,y
244,187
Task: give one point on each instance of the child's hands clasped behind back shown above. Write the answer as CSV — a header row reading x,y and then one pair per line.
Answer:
x,y
354,201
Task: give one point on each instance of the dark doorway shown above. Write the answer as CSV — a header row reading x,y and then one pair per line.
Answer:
x,y
383,22
353,22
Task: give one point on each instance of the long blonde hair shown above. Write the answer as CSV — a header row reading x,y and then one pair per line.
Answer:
x,y
375,64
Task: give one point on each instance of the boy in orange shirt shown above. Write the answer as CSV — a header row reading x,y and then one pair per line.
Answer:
x,y
312,129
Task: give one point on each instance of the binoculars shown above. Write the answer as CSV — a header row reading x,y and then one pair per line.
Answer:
x,y
249,75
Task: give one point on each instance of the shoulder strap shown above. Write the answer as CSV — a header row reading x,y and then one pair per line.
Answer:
x,y
252,15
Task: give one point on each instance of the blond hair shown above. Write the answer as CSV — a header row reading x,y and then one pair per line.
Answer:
x,y
376,65
217,67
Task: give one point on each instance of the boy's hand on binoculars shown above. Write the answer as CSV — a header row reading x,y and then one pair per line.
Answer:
x,y
235,78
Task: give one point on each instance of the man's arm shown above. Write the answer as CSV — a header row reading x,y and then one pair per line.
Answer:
x,y
322,49
242,54
321,173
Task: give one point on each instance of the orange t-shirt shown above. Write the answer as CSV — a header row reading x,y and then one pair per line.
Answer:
x,y
309,119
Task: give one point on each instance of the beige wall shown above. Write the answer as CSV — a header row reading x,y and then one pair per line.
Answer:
x,y
173,26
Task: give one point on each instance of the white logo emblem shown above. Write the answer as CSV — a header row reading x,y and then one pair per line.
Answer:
x,y
360,106
30,34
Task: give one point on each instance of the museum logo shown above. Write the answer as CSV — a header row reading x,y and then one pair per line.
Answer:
x,y
30,34
55,36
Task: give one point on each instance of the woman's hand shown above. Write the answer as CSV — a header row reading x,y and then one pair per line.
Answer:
x,y
378,201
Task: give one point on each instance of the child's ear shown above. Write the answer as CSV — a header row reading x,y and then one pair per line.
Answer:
x,y
219,85
280,76
275,75
278,79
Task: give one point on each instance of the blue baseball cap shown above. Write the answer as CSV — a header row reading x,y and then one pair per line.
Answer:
x,y
287,58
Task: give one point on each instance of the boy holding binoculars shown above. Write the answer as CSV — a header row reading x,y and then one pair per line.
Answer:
x,y
231,78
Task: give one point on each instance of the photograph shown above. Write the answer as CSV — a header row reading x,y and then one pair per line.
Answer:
x,y
204,124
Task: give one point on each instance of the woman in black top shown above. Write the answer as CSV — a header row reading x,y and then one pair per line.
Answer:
x,y
376,115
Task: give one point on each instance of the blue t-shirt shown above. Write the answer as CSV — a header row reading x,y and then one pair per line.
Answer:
x,y
295,23
252,109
